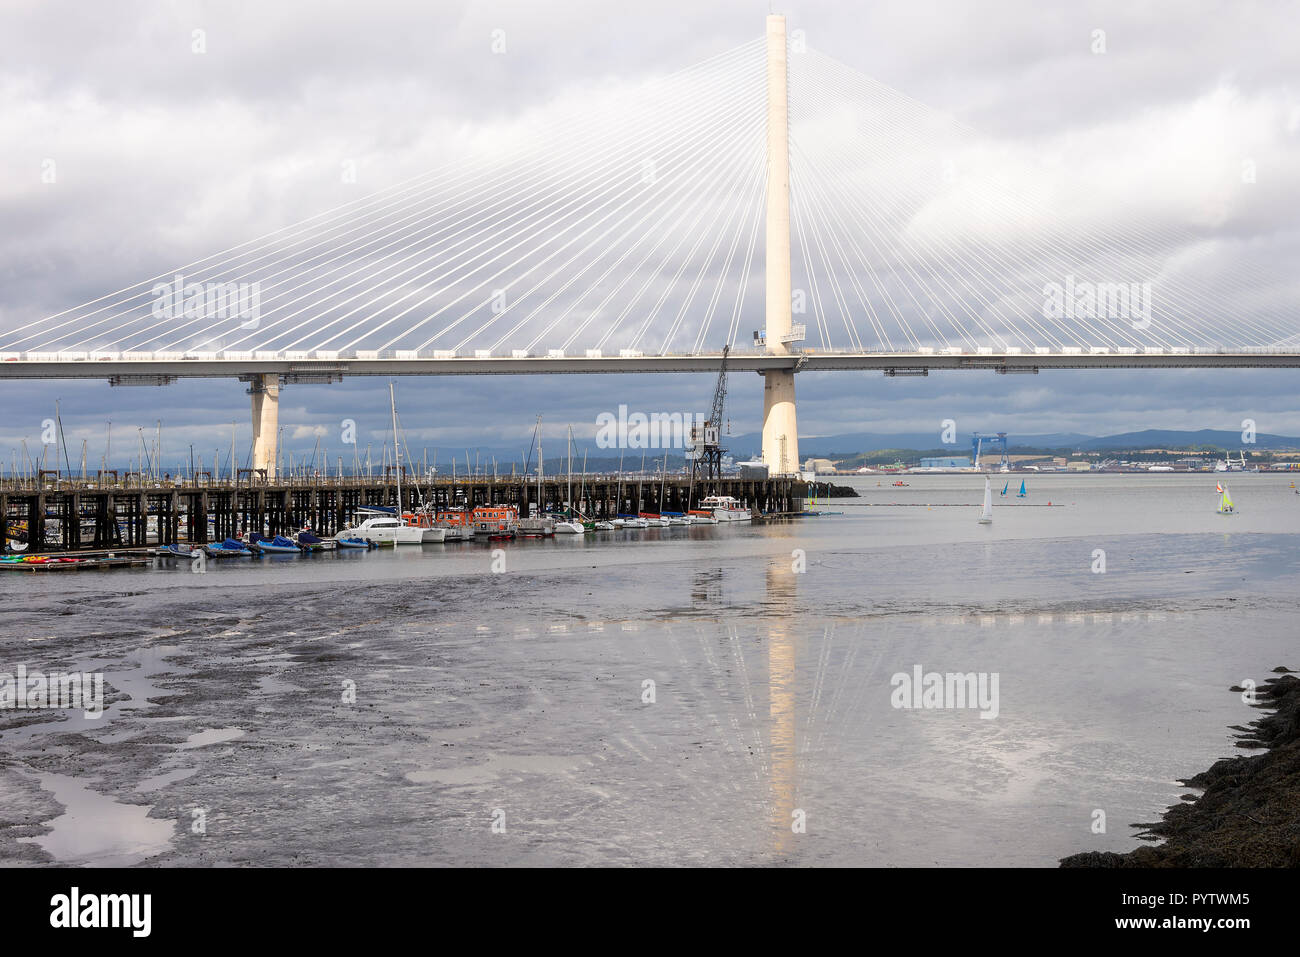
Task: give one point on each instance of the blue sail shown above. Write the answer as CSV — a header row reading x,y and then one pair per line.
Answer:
x,y
1021,493
1005,487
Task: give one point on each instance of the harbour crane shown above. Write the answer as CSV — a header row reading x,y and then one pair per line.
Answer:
x,y
706,463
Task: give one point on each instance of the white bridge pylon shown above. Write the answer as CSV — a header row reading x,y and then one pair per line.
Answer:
x,y
769,198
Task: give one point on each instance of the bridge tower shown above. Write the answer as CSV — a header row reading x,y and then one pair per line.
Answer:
x,y
780,434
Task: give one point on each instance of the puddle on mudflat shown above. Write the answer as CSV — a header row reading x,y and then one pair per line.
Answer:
x,y
162,780
96,830
202,739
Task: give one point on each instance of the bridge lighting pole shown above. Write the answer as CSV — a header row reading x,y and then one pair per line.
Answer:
x,y
780,434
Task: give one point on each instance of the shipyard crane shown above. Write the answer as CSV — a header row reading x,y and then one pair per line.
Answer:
x,y
995,440
707,459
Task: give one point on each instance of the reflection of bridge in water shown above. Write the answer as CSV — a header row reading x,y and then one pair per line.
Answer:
x,y
625,239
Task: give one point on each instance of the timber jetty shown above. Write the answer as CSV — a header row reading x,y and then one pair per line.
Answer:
x,y
49,514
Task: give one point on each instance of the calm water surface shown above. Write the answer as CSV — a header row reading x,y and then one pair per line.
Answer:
x,y
525,696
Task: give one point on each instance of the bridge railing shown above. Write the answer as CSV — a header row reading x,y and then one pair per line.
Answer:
x,y
136,483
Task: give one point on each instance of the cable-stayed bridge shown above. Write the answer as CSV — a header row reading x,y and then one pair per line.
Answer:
x,y
769,198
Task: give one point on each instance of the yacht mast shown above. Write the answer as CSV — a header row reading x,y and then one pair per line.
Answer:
x,y
397,449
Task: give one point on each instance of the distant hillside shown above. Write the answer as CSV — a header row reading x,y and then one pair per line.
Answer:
x,y
855,443
852,443
1167,438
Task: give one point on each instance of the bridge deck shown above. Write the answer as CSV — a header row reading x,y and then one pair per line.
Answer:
x,y
807,361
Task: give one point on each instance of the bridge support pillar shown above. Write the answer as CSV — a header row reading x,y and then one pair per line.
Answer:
x,y
780,429
780,435
265,390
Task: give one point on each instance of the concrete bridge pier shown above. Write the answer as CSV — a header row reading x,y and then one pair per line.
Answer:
x,y
780,429
265,390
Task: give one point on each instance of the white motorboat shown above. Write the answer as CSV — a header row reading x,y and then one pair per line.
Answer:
x,y
384,527
726,509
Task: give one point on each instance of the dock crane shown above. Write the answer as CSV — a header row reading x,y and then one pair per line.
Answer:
x,y
706,463
994,440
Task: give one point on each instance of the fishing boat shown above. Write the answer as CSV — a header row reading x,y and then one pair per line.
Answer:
x,y
1022,493
726,509
986,513
230,548
1225,500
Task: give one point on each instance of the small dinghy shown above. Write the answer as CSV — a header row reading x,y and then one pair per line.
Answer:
x,y
309,542
364,543
277,546
230,548
177,551
1225,500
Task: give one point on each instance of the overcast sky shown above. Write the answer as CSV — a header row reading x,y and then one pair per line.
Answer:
x,y
164,155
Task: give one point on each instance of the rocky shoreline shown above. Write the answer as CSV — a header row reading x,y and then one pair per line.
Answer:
x,y
1249,813
830,490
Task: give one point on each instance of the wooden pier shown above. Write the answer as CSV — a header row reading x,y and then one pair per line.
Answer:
x,y
71,516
